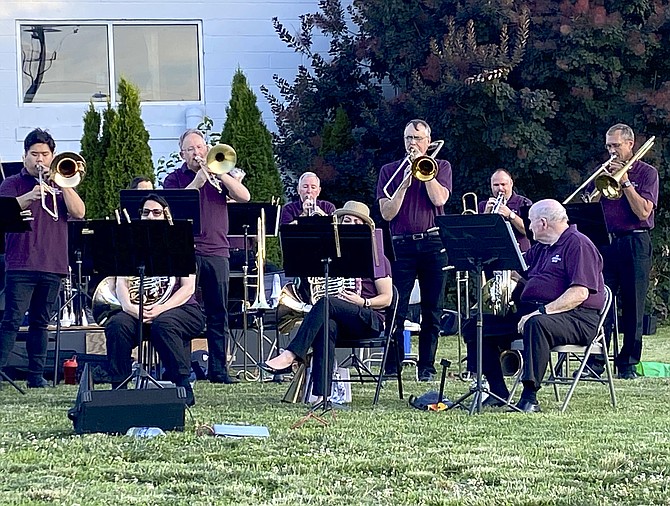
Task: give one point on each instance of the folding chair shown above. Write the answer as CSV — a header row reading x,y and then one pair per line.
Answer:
x,y
560,373
365,374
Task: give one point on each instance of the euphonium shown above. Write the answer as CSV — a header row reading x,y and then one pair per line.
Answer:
x,y
497,292
105,303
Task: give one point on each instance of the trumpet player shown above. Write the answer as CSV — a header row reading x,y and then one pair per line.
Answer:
x,y
507,203
212,247
627,261
169,325
36,261
410,206
308,204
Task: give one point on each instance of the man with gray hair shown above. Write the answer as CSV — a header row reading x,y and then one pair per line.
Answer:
x,y
562,292
212,246
309,188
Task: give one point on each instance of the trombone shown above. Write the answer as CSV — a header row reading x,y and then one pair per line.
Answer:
x,y
221,159
600,170
422,167
66,170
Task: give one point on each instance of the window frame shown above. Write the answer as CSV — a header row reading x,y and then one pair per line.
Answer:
x,y
111,67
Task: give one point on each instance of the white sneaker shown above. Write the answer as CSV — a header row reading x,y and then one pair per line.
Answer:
x,y
412,326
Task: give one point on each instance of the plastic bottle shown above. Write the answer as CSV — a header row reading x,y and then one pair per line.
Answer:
x,y
70,371
147,432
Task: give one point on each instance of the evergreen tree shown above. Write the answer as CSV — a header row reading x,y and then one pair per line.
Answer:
x,y
90,150
245,131
129,153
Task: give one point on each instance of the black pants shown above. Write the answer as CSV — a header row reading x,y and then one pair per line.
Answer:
x,y
345,318
170,333
423,259
35,292
626,268
213,279
543,332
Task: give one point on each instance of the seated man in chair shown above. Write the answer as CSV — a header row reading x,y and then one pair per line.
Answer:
x,y
351,313
171,318
560,301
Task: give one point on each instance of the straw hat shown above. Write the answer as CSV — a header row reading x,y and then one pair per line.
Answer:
x,y
357,209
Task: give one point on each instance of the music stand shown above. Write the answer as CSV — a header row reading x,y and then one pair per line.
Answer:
x,y
474,242
243,222
140,248
184,204
590,220
13,221
321,247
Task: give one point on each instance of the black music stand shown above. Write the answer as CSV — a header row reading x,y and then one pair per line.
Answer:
x,y
475,242
184,204
321,247
243,222
14,220
140,248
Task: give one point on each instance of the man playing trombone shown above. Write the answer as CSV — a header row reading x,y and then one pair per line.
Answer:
x,y
37,260
627,261
212,245
410,196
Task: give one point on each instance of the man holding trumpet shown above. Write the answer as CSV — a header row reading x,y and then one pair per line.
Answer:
x,y
410,206
212,245
627,260
309,188
37,260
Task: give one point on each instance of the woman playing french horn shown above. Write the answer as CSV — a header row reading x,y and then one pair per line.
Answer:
x,y
351,313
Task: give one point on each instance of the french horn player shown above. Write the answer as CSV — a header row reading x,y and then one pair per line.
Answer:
x,y
354,314
37,260
171,317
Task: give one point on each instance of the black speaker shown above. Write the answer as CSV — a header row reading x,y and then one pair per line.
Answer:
x,y
115,411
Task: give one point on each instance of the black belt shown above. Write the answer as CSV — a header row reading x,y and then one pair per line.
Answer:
x,y
630,232
416,237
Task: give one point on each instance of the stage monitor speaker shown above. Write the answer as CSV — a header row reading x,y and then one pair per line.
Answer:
x,y
115,411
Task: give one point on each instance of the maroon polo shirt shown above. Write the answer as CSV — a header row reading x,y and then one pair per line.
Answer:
x,y
515,203
572,261
213,240
44,248
291,211
618,213
417,213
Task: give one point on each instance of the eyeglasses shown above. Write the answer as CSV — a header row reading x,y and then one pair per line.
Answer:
x,y
194,149
155,212
414,138
615,145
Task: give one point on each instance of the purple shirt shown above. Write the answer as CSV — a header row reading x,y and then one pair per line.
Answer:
x,y
44,248
213,241
368,288
515,203
572,261
417,213
618,213
291,211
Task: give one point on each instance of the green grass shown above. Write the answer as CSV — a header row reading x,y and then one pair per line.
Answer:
x,y
390,454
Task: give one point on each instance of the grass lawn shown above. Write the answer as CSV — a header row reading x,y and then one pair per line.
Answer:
x,y
390,454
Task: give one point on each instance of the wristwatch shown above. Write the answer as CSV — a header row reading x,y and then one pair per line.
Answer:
x,y
626,184
366,303
542,309
512,216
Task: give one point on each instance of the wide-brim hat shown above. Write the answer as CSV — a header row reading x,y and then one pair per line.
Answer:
x,y
357,209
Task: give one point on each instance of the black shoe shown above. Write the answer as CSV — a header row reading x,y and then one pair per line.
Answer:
x,y
492,402
628,373
271,370
37,382
527,406
190,397
595,372
426,376
222,378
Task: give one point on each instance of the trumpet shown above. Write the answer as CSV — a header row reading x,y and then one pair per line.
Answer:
x,y
66,170
221,159
422,167
474,209
500,200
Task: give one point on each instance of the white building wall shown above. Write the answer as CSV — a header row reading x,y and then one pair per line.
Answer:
x,y
234,34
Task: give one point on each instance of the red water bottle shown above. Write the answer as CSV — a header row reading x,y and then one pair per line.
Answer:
x,y
70,371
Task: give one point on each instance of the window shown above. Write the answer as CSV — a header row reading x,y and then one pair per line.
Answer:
x,y
77,63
